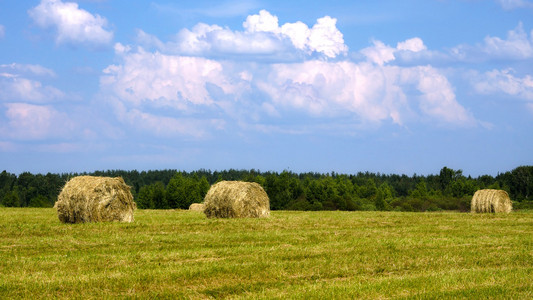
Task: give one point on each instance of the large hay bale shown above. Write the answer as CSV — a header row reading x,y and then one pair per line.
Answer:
x,y
197,207
491,201
95,199
236,199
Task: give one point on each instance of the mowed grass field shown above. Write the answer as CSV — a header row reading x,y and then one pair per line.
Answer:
x,y
298,255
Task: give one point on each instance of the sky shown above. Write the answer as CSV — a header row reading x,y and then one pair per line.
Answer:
x,y
396,87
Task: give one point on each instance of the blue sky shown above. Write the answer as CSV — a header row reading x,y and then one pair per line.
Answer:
x,y
383,86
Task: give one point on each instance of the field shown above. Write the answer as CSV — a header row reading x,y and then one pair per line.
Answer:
x,y
181,254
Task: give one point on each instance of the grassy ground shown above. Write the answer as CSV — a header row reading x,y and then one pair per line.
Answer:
x,y
180,254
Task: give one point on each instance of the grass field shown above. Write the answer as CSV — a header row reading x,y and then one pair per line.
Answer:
x,y
181,254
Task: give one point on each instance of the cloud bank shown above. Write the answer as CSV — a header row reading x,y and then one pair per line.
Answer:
x,y
184,81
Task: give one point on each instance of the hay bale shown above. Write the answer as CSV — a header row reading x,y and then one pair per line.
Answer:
x,y
491,201
199,207
95,199
236,199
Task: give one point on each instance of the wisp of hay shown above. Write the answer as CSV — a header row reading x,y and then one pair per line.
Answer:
x,y
197,207
491,201
95,199
236,199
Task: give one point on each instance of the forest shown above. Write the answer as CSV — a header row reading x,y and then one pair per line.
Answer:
x,y
173,189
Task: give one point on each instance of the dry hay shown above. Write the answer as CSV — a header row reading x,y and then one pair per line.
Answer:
x,y
95,199
199,207
491,201
236,199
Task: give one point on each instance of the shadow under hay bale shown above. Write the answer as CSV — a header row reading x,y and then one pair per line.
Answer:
x,y
199,207
491,201
236,199
95,199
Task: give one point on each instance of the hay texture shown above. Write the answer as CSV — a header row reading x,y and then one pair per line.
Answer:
x,y
199,207
236,199
491,201
95,199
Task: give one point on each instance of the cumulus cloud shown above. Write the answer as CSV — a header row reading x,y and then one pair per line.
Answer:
x,y
414,45
73,25
177,81
505,82
262,37
150,85
172,85
370,91
380,53
518,45
196,84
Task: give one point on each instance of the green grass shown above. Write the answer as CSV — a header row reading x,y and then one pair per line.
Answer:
x,y
299,255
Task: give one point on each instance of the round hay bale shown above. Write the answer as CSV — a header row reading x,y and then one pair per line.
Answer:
x,y
491,201
199,207
236,199
95,199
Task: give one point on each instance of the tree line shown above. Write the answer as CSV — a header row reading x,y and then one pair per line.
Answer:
x,y
172,189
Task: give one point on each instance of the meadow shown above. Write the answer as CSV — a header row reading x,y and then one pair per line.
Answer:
x,y
291,255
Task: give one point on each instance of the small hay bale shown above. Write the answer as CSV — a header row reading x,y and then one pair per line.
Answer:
x,y
491,201
95,199
236,199
199,207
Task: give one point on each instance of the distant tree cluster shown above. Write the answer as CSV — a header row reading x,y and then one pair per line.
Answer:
x,y
164,189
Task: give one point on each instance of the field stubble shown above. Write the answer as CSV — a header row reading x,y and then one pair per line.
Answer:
x,y
182,254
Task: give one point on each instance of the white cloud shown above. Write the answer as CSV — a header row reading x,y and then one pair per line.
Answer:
x,y
504,81
2,31
323,37
22,89
263,22
29,69
173,87
372,92
381,54
262,37
73,25
518,45
512,4
176,95
16,84
415,45
165,80
326,38
34,122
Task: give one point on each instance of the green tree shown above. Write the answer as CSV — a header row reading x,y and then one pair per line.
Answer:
x,y
384,194
144,198
421,191
11,199
152,196
39,201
